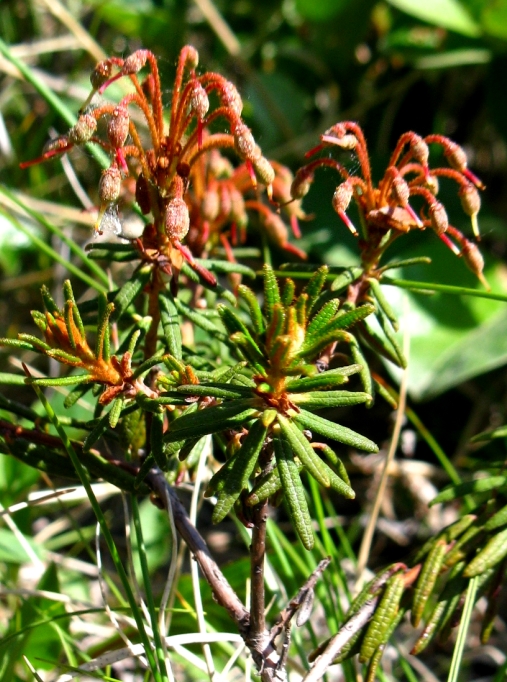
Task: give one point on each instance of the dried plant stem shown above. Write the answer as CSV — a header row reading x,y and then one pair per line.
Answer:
x,y
220,26
341,638
290,610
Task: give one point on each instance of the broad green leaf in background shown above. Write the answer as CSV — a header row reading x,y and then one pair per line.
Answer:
x,y
494,18
452,338
12,551
446,13
320,10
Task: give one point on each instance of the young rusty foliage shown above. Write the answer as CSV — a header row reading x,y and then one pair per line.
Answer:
x,y
434,587
192,195
265,408
65,341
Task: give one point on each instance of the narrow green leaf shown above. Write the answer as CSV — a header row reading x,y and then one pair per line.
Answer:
x,y
201,321
216,390
480,485
287,294
271,291
497,520
320,321
302,448
445,288
335,431
346,278
391,336
115,411
364,372
59,381
489,557
314,287
69,296
103,343
337,463
225,267
328,379
170,323
385,613
322,399
244,463
42,247
427,579
293,491
75,394
12,379
211,420
63,356
253,306
26,341
346,318
376,289
145,366
250,349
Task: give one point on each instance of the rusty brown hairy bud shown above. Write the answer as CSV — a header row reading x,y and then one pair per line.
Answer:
x,y
231,98
83,129
134,62
264,170
470,199
118,126
438,218
101,73
177,219
244,142
210,205
456,156
419,149
342,196
400,190
110,185
301,184
199,102
473,258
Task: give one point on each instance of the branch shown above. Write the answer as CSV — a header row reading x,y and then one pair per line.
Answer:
x,y
263,652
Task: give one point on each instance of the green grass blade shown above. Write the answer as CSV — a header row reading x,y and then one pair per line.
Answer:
x,y
54,255
81,472
74,248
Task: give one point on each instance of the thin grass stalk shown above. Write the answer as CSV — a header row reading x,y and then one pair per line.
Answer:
x,y
141,548
364,551
81,472
194,569
54,255
457,655
76,250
